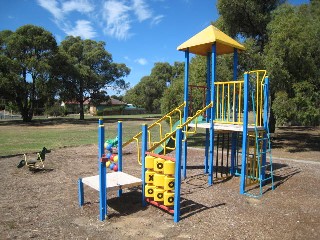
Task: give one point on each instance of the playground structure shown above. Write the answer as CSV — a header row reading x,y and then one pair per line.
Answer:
x,y
236,143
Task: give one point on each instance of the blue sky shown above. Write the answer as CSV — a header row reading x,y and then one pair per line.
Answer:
x,y
138,33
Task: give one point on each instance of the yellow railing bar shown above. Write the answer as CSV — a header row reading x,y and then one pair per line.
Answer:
x,y
180,126
155,123
138,147
222,100
260,78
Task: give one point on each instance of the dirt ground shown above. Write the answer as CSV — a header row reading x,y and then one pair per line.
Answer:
x,y
44,204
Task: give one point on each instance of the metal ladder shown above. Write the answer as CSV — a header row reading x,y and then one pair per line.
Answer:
x,y
262,149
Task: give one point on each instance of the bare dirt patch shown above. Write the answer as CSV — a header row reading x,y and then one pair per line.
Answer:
x,y
44,204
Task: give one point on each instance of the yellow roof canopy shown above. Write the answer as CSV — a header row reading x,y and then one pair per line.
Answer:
x,y
201,43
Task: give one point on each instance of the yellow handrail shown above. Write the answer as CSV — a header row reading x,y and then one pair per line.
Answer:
x,y
260,76
156,123
226,103
180,126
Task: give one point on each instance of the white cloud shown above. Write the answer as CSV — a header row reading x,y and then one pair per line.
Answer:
x,y
83,29
157,19
141,10
116,15
141,61
52,7
82,6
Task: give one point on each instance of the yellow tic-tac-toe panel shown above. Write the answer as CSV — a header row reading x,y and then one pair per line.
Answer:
x,y
158,194
168,183
158,165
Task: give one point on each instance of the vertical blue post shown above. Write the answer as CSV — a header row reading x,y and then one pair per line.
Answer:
x,y
206,152
208,97
143,154
185,113
234,134
265,125
212,114
208,113
244,134
177,175
100,141
80,192
102,173
119,152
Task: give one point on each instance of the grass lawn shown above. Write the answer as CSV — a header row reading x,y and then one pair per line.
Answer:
x,y
17,137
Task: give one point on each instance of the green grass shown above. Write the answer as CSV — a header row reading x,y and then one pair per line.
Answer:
x,y
17,137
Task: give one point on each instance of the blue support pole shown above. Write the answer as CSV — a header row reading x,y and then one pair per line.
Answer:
x,y
177,175
212,114
100,141
102,173
244,134
208,97
206,152
119,152
80,192
208,113
234,135
143,154
185,113
265,125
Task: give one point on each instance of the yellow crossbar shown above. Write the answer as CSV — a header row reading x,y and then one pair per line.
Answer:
x,y
156,123
189,120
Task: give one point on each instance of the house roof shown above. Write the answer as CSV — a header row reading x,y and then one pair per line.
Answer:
x,y
201,43
113,101
86,102
117,102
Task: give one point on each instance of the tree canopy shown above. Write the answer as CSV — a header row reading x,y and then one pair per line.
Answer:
x,y
148,92
90,71
25,63
34,70
293,57
283,39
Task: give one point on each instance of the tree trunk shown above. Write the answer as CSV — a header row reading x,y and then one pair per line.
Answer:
x,y
81,100
24,104
81,110
272,119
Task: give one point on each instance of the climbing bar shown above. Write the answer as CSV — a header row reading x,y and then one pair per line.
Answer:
x,y
189,120
257,79
177,109
137,137
228,102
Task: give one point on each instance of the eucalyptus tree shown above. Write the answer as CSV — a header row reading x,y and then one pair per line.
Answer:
x,y
25,60
293,57
89,71
149,91
248,19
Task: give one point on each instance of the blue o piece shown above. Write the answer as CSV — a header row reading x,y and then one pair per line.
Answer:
x,y
109,147
108,155
112,166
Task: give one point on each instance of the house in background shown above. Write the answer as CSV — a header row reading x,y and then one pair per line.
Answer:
x,y
73,107
109,104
